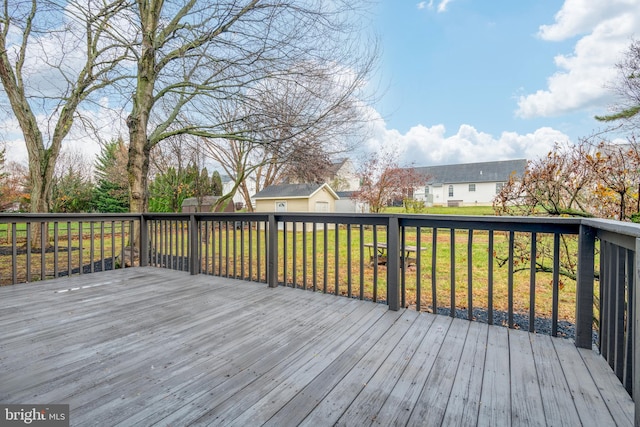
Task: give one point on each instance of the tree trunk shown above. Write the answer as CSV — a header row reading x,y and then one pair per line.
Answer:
x,y
138,171
41,166
246,196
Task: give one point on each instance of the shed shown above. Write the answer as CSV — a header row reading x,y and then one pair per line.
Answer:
x,y
296,198
206,203
348,203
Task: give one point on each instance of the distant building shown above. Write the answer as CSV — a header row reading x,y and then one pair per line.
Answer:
x,y
205,204
349,204
342,176
296,198
466,184
227,186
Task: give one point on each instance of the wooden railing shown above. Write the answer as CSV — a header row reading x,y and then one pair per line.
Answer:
x,y
456,265
39,246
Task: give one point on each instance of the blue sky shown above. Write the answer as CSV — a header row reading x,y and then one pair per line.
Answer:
x,y
476,80
472,80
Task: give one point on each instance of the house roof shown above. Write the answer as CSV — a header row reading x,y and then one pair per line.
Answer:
x,y
193,201
345,194
335,167
292,191
498,171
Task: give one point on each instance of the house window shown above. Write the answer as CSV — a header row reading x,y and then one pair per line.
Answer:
x,y
499,186
281,206
322,206
472,188
426,189
451,191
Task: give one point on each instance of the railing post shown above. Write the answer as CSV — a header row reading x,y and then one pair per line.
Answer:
x,y
144,242
194,246
584,287
393,263
635,312
272,253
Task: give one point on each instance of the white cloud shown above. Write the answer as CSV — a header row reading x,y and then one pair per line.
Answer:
x,y
425,146
442,7
606,26
578,17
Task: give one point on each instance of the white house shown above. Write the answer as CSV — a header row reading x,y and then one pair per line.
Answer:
x,y
342,175
468,183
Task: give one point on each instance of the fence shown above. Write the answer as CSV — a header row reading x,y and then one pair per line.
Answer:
x,y
512,270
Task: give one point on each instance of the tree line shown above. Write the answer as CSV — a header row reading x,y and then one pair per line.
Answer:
x,y
78,186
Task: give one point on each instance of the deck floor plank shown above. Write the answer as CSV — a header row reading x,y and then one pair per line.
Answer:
x,y
248,389
147,346
432,402
204,388
218,359
589,403
526,399
559,408
402,398
313,381
363,410
495,398
356,378
86,357
464,402
620,404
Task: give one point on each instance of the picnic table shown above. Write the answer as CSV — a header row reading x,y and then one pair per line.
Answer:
x,y
381,255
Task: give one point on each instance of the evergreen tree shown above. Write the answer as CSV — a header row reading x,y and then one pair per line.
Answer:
x,y
216,184
112,192
109,197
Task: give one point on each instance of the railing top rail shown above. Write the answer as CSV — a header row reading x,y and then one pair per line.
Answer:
x,y
221,216
499,223
27,217
486,222
626,228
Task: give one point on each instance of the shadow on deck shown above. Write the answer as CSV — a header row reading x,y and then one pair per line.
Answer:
x,y
144,346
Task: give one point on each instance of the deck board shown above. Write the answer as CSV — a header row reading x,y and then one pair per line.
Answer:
x,y
526,399
559,407
432,402
146,346
464,402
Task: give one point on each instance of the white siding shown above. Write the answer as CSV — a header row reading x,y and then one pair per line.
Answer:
x,y
484,194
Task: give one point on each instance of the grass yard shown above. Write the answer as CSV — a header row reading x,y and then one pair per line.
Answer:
x,y
94,244
356,274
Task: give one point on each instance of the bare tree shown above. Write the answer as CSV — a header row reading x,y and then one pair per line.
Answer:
x,y
289,141
558,184
588,179
52,58
383,180
627,87
194,54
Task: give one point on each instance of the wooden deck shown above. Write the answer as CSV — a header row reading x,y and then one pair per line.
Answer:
x,y
145,346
